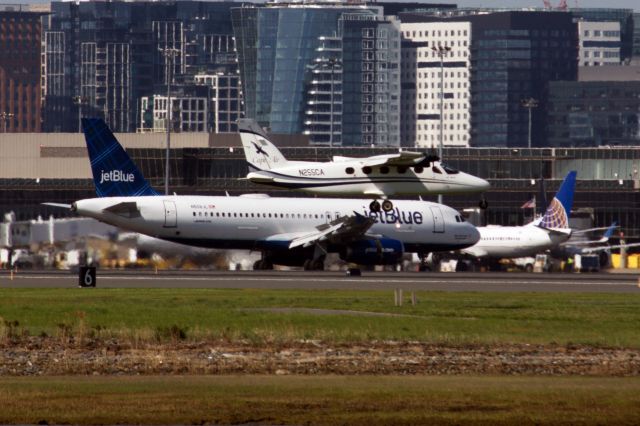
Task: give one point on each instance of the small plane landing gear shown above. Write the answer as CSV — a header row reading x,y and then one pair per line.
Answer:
x,y
386,206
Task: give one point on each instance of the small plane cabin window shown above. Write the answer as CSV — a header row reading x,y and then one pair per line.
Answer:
x,y
235,215
194,213
217,214
457,218
269,214
384,170
436,170
418,169
450,171
223,214
349,170
251,214
366,170
402,170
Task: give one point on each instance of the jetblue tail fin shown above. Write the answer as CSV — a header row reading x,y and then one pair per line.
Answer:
x,y
557,214
260,153
114,174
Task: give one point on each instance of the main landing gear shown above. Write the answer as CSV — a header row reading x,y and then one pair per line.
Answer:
x,y
386,206
262,265
314,264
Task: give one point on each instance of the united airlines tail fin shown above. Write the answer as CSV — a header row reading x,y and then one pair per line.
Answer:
x,y
260,153
557,214
114,174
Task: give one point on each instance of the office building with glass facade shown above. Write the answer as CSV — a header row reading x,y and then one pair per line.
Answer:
x,y
321,69
514,54
603,109
103,57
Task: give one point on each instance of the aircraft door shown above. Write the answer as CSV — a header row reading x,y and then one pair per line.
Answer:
x,y
438,220
170,214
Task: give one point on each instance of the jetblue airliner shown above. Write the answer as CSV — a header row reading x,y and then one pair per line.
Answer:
x,y
287,231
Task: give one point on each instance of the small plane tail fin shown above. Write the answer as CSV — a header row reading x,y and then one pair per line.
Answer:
x,y
260,153
557,214
114,173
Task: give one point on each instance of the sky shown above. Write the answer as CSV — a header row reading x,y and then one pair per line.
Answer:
x,y
625,4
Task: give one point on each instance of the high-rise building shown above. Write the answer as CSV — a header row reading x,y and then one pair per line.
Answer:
x,y
514,54
20,30
322,69
602,14
635,43
436,66
602,108
599,43
102,58
353,89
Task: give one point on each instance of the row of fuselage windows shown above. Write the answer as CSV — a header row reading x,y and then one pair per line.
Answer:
x,y
403,169
265,215
501,239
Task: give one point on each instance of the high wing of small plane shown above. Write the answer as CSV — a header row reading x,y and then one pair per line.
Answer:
x,y
378,177
287,231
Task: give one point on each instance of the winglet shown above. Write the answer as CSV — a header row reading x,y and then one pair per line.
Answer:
x,y
114,174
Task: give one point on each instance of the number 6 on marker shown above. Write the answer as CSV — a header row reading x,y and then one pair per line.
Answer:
x,y
87,276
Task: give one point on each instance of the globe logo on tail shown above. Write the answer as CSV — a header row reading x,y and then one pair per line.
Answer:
x,y
555,216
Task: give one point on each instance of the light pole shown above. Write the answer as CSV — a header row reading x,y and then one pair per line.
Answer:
x,y
529,103
5,116
441,51
79,100
169,55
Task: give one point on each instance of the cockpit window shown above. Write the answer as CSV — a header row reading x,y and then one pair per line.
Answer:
x,y
436,170
449,170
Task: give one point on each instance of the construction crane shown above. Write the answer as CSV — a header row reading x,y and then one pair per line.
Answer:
x,y
561,6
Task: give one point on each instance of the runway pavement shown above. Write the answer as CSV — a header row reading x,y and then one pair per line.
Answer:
x,y
484,282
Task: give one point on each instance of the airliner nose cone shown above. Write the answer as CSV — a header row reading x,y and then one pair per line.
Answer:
x,y
483,184
474,234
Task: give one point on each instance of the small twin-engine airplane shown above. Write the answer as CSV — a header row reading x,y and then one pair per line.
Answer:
x,y
287,231
378,177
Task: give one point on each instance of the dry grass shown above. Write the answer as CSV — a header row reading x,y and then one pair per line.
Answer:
x,y
320,400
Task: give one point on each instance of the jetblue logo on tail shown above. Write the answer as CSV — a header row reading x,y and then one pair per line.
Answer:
x,y
116,176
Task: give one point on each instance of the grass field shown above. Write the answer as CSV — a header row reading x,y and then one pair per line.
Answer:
x,y
320,400
272,315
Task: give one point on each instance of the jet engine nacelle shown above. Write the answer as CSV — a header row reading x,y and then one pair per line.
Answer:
x,y
384,251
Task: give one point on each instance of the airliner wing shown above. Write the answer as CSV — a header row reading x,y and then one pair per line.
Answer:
x,y
343,229
402,158
602,248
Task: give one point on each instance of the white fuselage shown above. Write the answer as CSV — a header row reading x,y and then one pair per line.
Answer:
x,y
514,241
351,177
253,222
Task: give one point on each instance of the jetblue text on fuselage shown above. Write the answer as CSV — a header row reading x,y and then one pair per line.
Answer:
x,y
116,176
396,216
